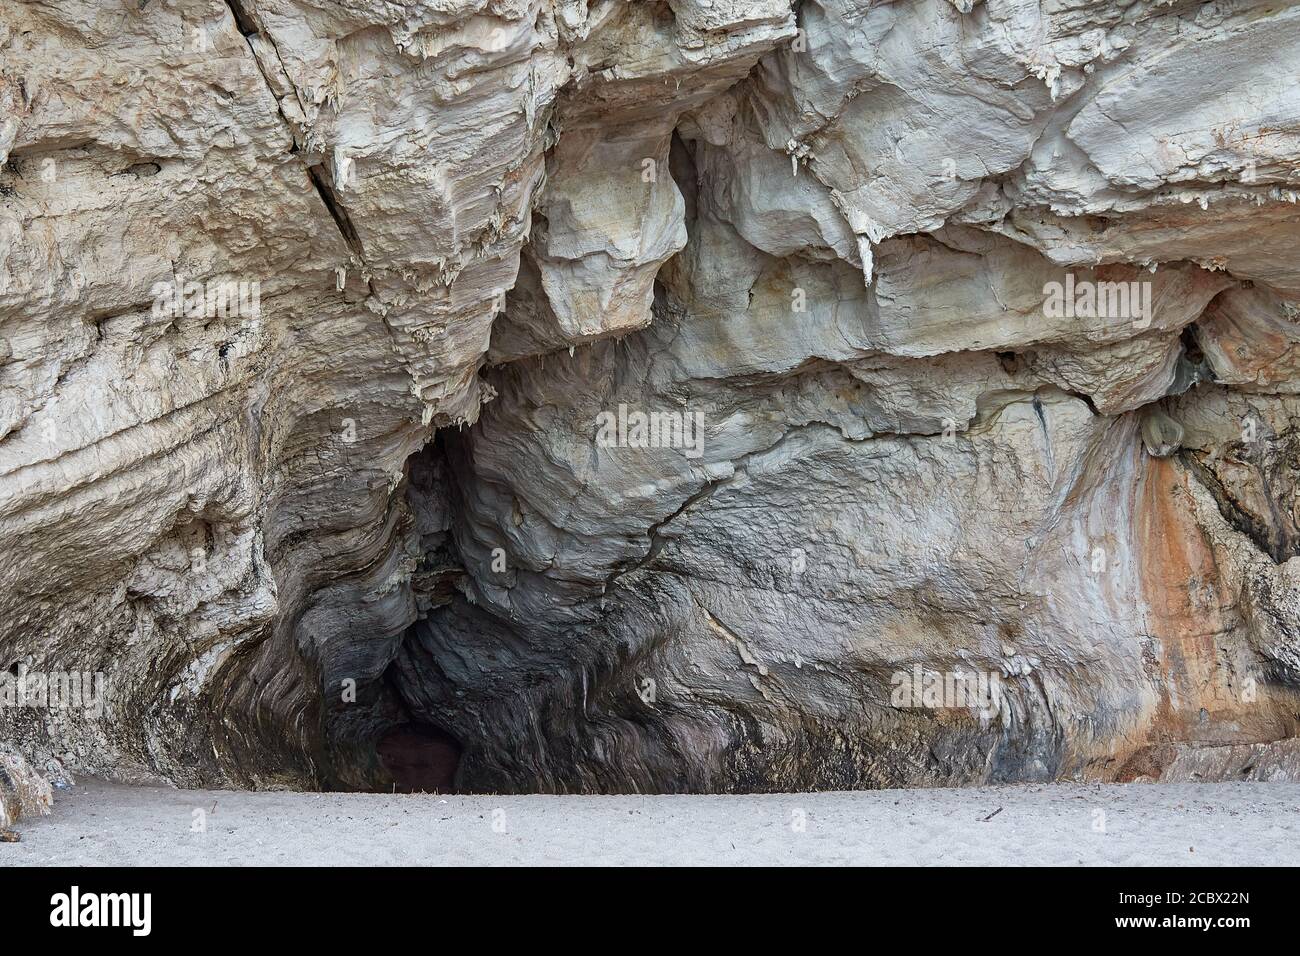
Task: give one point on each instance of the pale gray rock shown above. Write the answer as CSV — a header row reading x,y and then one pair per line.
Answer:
x,y
23,791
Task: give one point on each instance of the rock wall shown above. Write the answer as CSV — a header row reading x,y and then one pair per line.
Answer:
x,y
969,326
23,792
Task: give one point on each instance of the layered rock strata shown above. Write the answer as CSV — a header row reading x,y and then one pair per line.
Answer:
x,y
597,395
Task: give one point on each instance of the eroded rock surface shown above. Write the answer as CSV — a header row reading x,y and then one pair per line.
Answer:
x,y
23,791
389,508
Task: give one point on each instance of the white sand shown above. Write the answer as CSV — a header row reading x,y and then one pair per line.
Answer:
x,y
1233,824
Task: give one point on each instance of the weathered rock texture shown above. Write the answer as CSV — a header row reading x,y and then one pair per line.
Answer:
x,y
302,541
23,791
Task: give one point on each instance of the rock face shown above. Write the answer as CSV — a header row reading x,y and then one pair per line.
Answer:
x,y
598,395
23,791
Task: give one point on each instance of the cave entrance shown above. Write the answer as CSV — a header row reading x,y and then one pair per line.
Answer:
x,y
420,758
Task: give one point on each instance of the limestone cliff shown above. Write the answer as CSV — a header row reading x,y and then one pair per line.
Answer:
x,y
591,395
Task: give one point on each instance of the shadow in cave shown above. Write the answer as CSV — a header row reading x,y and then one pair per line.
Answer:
x,y
421,758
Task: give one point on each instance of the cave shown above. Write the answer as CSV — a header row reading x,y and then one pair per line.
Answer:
x,y
368,527
420,758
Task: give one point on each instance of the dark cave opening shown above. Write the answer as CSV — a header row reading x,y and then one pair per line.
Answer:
x,y
421,758
401,730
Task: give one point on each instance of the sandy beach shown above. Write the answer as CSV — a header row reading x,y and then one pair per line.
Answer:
x,y
1237,824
